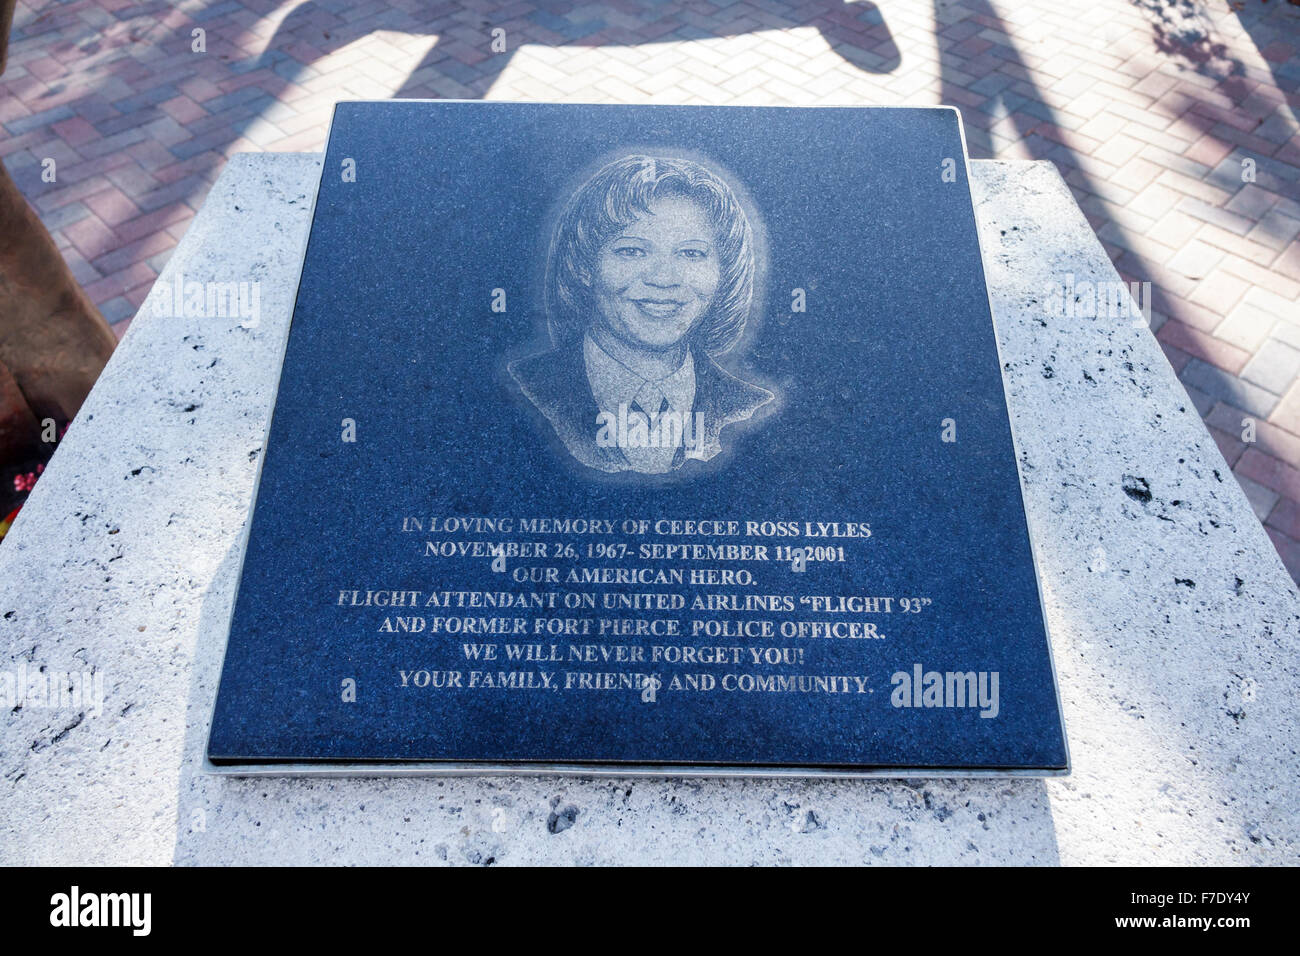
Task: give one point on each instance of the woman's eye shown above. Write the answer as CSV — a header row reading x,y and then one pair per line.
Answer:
x,y
629,252
695,254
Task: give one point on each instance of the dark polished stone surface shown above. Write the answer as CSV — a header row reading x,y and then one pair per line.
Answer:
x,y
831,419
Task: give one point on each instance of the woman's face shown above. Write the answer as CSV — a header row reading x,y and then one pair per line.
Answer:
x,y
656,278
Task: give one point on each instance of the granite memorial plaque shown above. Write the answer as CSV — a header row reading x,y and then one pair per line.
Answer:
x,y
640,439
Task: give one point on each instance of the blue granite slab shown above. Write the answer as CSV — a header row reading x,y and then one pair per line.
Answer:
x,y
641,435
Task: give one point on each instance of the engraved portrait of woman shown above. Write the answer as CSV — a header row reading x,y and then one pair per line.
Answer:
x,y
649,277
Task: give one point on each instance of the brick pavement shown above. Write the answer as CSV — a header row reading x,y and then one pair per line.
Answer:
x,y
1152,109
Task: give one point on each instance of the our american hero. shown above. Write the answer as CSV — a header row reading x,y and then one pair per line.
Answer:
x,y
649,276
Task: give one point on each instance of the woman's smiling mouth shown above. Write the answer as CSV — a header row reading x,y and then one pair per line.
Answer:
x,y
660,308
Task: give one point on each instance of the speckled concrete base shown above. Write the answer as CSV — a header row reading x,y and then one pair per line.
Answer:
x,y
1175,626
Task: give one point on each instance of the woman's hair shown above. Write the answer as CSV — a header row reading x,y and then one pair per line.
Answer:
x,y
622,192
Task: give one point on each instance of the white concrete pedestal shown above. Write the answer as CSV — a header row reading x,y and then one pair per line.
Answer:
x,y
1176,628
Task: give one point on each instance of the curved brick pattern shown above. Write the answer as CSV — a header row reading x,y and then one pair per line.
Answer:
x,y
1175,124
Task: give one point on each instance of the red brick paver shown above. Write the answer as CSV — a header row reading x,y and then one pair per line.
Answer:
x,y
1174,121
